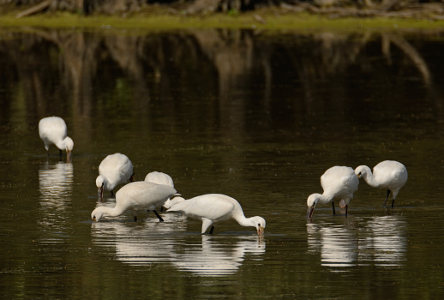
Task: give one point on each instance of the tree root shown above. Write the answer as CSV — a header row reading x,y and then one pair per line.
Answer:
x,y
35,9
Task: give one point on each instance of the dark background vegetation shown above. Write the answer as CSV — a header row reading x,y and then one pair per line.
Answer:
x,y
407,8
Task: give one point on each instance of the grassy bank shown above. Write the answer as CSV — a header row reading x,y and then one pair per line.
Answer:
x,y
264,19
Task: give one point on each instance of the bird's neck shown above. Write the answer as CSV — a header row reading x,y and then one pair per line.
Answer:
x,y
61,145
325,198
242,220
370,179
245,221
111,211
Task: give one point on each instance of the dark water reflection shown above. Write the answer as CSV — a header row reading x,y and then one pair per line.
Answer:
x,y
256,115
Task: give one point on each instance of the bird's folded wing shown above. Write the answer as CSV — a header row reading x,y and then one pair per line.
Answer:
x,y
205,207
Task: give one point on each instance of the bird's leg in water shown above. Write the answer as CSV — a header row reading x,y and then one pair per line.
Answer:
x,y
135,218
333,207
385,202
211,230
158,216
346,210
112,193
60,155
393,202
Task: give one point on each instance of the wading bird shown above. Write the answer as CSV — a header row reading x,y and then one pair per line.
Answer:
x,y
136,196
338,182
212,208
163,178
53,130
159,178
388,174
113,170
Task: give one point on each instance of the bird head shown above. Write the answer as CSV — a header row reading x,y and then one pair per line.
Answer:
x,y
100,183
176,198
362,171
97,214
312,200
259,223
69,145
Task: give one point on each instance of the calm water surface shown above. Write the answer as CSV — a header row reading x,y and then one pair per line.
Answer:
x,y
255,115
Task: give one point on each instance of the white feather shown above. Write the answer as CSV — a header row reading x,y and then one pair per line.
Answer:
x,y
211,208
135,196
115,169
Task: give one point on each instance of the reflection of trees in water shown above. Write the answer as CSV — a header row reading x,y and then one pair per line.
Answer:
x,y
206,62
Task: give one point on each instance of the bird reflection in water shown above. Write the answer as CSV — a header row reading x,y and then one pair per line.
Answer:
x,y
55,184
152,242
379,241
219,258
336,243
387,242
140,244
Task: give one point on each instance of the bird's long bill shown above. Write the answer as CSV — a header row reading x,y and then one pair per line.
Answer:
x,y
310,212
68,156
260,230
100,192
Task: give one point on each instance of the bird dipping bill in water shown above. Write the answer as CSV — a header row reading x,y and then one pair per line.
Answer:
x,y
212,208
136,196
388,174
338,182
53,130
113,170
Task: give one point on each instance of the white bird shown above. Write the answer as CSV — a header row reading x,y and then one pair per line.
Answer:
x,y
113,170
338,182
159,178
136,196
388,174
163,178
212,208
53,130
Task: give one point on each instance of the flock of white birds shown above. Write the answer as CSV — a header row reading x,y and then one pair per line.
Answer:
x,y
157,190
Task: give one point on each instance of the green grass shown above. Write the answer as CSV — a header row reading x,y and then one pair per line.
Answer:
x,y
302,22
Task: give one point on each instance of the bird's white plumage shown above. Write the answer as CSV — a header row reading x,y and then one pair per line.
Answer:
x,y
114,169
140,195
388,174
159,178
212,208
338,182
53,130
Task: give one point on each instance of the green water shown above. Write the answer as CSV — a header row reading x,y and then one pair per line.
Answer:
x,y
255,115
